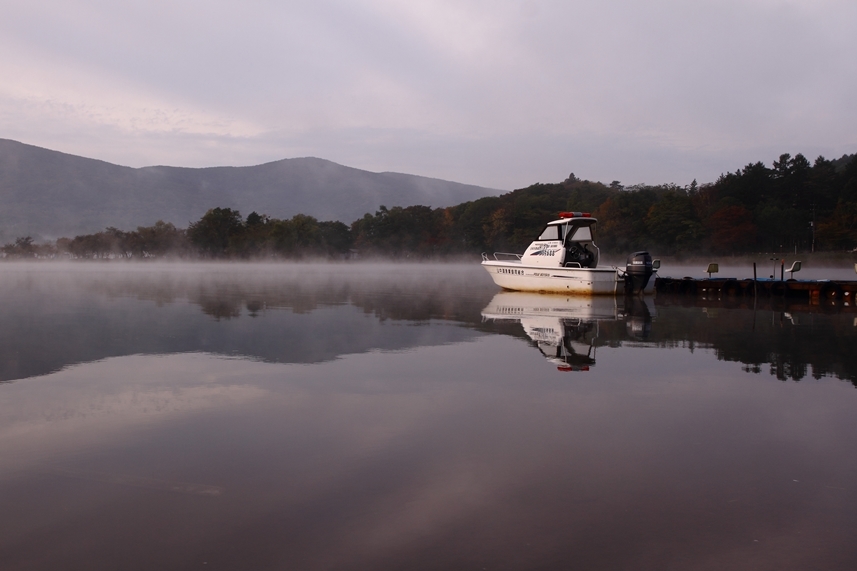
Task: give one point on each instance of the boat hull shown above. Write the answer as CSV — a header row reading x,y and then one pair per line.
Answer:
x,y
575,281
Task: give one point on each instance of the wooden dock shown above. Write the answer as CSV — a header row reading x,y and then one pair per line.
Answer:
x,y
812,290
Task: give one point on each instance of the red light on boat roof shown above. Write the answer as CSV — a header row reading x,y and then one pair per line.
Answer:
x,y
575,215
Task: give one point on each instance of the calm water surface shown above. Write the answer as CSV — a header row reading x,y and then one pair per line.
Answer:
x,y
413,417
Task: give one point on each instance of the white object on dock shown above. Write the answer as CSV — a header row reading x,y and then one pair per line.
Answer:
x,y
796,268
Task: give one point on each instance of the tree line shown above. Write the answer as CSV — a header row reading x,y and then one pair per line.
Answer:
x,y
792,205
220,233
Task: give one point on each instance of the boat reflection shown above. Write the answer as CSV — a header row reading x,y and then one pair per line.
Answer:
x,y
565,329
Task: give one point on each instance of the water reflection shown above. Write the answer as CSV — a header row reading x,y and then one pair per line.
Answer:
x,y
399,417
59,315
56,316
566,329
790,341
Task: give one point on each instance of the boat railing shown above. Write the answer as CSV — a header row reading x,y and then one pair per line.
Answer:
x,y
503,257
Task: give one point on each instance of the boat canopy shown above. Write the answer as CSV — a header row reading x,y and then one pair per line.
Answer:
x,y
581,229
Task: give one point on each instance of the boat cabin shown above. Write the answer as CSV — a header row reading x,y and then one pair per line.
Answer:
x,y
568,242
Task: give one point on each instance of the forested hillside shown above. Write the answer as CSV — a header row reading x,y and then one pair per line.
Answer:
x,y
51,194
787,206
794,204
755,208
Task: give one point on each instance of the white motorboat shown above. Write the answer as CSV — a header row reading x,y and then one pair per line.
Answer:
x,y
564,259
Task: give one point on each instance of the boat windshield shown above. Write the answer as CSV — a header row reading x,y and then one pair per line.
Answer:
x,y
552,232
582,234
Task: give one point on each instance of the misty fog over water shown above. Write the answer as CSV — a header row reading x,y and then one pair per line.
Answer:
x,y
389,416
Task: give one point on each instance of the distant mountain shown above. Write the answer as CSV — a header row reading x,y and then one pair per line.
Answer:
x,y
48,194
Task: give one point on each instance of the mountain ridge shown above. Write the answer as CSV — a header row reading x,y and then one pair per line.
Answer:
x,y
48,194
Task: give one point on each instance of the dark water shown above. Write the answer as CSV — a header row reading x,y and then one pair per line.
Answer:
x,y
411,417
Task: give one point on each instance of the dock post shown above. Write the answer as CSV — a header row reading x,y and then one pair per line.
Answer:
x,y
782,269
755,289
755,296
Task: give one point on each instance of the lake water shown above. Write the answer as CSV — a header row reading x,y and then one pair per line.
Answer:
x,y
359,416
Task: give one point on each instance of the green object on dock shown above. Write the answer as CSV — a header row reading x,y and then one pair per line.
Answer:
x,y
712,269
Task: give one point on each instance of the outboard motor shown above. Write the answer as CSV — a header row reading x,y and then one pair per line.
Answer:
x,y
638,270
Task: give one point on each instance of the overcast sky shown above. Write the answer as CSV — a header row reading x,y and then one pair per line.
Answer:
x,y
500,93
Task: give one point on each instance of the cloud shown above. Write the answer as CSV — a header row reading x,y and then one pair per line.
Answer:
x,y
500,93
